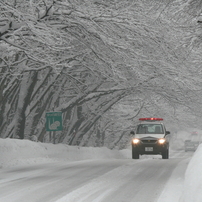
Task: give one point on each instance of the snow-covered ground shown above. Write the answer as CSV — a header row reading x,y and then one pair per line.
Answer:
x,y
24,152
16,152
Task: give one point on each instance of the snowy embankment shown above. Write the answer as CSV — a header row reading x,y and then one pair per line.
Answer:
x,y
193,179
24,152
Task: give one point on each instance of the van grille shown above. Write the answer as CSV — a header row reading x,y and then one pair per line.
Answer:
x,y
149,141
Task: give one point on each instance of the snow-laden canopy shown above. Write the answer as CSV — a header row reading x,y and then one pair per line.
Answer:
x,y
102,63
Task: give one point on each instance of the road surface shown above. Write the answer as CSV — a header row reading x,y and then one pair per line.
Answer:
x,y
118,180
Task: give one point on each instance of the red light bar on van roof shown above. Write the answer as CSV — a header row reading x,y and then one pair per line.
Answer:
x,y
150,119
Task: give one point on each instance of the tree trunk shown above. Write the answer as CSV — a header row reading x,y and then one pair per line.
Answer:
x,y
26,88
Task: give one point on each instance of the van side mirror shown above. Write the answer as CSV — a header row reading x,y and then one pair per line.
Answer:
x,y
167,132
132,132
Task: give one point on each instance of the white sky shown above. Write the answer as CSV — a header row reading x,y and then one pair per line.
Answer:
x,y
24,152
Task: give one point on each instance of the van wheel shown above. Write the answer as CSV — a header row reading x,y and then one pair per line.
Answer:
x,y
165,154
135,155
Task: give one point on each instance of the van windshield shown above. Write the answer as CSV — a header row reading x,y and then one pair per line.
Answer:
x,y
149,130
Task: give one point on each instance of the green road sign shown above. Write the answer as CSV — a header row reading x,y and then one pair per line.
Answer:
x,y
54,121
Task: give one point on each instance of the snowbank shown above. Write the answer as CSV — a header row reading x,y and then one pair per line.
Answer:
x,y
16,152
193,179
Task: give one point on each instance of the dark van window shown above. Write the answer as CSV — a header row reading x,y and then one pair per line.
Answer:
x,y
150,129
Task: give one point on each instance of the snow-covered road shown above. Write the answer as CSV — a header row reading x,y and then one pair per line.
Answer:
x,y
102,180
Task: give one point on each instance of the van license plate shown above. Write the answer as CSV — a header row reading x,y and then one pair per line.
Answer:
x,y
148,148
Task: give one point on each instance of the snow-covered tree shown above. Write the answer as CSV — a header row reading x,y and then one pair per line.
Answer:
x,y
92,58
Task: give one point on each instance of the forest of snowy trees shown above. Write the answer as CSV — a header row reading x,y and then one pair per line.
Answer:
x,y
102,64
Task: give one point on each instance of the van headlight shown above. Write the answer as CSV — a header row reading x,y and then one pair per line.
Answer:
x,y
162,141
136,141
